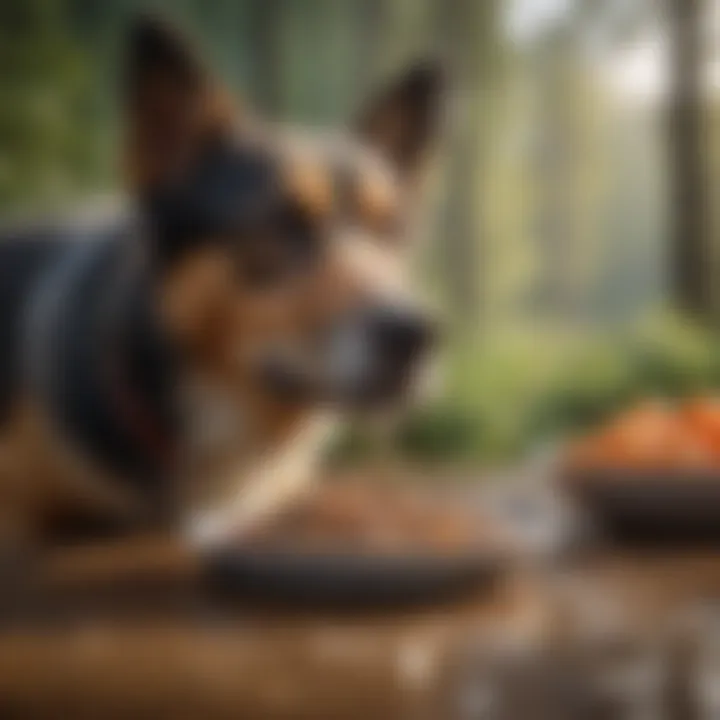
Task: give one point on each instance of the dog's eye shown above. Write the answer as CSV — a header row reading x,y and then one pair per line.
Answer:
x,y
285,245
300,234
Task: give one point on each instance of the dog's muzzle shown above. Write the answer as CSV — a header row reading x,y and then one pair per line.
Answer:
x,y
367,357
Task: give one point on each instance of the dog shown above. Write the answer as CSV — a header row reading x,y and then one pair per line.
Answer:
x,y
197,350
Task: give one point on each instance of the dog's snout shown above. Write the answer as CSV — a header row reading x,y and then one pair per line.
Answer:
x,y
403,332
374,354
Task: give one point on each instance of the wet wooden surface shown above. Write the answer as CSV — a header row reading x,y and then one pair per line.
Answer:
x,y
149,641
128,632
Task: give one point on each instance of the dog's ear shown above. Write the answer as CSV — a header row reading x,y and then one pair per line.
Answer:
x,y
402,121
171,103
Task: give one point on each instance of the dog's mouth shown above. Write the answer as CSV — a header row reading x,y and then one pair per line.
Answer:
x,y
367,360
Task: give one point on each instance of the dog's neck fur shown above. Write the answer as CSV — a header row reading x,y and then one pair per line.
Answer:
x,y
98,359
125,395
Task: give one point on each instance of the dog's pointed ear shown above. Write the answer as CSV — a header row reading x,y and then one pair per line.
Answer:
x,y
170,101
403,121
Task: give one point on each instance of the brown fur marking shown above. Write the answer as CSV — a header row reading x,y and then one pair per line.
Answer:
x,y
42,476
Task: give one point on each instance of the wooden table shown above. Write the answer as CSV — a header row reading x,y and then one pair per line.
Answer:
x,y
171,651
98,646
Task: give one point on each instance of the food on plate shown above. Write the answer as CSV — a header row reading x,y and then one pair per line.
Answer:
x,y
375,519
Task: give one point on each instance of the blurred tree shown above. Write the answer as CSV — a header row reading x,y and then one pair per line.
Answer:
x,y
554,165
691,244
470,43
265,51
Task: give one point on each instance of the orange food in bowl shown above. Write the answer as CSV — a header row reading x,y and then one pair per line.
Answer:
x,y
688,450
655,436
639,437
702,417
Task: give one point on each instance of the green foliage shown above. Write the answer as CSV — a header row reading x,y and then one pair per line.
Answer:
x,y
510,394
41,91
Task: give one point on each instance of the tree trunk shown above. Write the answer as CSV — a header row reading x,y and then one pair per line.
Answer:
x,y
690,236
467,33
267,72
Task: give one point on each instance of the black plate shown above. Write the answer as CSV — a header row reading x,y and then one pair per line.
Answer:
x,y
656,507
349,580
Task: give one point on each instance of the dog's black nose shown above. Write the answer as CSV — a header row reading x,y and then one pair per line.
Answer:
x,y
374,353
404,333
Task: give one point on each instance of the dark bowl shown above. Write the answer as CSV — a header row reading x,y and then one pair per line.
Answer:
x,y
659,506
350,580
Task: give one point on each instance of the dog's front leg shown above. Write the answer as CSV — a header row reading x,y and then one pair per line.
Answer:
x,y
267,485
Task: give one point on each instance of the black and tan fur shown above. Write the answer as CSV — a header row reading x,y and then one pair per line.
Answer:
x,y
257,253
